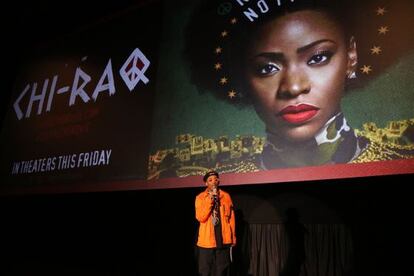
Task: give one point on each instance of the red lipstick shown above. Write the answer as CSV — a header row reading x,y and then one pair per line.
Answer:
x,y
297,114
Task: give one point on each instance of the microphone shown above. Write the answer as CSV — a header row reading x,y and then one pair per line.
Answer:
x,y
216,206
215,194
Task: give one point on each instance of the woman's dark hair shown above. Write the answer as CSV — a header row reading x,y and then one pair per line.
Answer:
x,y
219,32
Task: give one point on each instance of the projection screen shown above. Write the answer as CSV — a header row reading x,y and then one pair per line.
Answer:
x,y
260,91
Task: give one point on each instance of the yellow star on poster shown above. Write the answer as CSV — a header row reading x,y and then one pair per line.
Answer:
x,y
381,11
376,50
383,29
366,69
224,33
223,80
232,94
233,20
217,66
218,50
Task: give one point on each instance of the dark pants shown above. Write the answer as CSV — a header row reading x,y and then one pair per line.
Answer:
x,y
214,261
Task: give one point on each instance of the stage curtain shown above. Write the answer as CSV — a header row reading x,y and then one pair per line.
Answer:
x,y
294,249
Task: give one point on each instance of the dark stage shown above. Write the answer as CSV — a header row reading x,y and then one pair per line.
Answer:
x,y
153,232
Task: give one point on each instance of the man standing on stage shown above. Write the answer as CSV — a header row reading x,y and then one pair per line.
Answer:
x,y
216,234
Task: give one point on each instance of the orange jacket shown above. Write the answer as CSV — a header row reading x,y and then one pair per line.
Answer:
x,y
203,207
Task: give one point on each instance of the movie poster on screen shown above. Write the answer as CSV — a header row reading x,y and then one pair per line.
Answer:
x,y
260,91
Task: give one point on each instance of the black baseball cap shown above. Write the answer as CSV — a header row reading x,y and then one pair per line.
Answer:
x,y
210,173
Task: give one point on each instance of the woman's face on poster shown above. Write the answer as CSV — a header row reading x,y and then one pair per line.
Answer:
x,y
297,67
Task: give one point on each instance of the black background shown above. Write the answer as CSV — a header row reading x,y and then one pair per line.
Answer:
x,y
153,232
